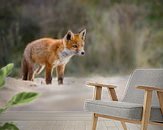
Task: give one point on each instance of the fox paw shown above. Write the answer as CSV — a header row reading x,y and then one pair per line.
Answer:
x,y
60,81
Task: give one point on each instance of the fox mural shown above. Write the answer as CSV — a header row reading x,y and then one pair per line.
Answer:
x,y
51,53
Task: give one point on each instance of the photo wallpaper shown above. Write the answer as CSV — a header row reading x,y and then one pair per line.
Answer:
x,y
50,49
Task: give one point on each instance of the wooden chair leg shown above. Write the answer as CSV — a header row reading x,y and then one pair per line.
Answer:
x,y
97,96
94,122
115,98
124,125
146,110
160,98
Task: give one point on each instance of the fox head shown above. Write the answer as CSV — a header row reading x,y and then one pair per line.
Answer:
x,y
74,43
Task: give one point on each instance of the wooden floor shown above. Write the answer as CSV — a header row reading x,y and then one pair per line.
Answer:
x,y
69,125
59,121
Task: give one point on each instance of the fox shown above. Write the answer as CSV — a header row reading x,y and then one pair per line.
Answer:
x,y
51,53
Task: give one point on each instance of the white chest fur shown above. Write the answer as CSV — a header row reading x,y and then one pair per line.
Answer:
x,y
64,57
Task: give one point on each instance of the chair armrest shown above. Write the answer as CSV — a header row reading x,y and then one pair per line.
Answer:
x,y
98,90
101,85
148,100
150,88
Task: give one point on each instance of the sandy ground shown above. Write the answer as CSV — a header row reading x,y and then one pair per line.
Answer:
x,y
67,97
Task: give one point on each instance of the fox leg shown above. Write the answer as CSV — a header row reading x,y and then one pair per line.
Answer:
x,y
24,68
30,72
38,71
60,73
48,68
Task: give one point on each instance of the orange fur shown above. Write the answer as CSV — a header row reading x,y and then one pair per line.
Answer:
x,y
52,53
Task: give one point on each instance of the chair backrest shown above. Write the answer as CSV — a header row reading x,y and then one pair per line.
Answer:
x,y
146,77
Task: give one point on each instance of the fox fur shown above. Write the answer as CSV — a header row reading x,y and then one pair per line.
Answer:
x,y
51,53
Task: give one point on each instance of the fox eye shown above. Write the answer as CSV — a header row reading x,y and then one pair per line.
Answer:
x,y
74,46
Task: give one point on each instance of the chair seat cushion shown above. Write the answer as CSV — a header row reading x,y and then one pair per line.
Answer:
x,y
125,110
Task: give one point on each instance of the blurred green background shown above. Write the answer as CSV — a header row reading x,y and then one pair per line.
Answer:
x,y
121,34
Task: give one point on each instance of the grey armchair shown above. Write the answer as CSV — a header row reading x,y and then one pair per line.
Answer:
x,y
142,102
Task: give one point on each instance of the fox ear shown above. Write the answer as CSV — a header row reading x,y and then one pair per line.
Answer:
x,y
82,34
69,35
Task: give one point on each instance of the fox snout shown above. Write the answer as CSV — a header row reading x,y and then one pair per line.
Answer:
x,y
81,53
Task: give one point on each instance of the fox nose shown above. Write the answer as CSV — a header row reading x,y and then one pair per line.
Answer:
x,y
82,53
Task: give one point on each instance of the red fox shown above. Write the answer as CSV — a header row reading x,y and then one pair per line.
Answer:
x,y
51,53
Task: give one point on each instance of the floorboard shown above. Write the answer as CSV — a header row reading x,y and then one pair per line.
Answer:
x,y
59,121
